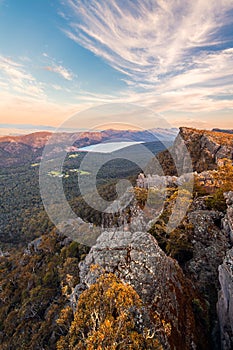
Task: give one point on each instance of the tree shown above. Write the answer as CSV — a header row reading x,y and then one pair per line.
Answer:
x,y
105,319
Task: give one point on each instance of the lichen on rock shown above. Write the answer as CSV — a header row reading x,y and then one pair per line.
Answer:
x,y
159,281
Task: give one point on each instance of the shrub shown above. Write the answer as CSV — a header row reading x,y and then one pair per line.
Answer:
x,y
104,319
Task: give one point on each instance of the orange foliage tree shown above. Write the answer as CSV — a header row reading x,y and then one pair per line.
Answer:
x,y
104,319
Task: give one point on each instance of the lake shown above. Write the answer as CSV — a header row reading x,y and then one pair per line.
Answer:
x,y
109,147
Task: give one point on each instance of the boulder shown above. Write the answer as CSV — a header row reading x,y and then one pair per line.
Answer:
x,y
168,297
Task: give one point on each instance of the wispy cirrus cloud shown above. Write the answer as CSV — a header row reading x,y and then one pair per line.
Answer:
x,y
25,99
174,54
147,39
63,72
14,76
208,86
58,68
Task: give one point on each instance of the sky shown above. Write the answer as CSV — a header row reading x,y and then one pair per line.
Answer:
x,y
173,57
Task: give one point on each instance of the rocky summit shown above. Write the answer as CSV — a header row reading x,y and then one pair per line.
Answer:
x,y
195,150
137,259
206,148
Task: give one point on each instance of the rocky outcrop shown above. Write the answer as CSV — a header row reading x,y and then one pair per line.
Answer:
x,y
137,259
205,148
162,182
228,219
210,244
225,298
225,302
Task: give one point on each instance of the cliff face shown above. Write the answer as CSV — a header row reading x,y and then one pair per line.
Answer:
x,y
204,148
210,244
211,238
225,302
207,147
228,219
137,259
225,299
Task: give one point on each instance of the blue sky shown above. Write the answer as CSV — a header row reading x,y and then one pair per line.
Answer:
x,y
61,57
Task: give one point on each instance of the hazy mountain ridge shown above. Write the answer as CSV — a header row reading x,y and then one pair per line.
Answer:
x,y
40,138
226,131
18,150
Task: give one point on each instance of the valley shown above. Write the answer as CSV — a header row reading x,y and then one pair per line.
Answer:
x,y
133,244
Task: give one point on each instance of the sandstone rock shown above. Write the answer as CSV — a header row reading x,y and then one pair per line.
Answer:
x,y
225,302
210,244
225,298
228,220
33,246
137,259
207,147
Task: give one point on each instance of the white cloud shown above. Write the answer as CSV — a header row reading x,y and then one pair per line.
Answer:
x,y
14,76
24,99
144,39
56,87
59,69
166,49
196,90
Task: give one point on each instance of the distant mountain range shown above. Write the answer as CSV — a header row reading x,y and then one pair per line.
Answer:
x,y
19,150
228,131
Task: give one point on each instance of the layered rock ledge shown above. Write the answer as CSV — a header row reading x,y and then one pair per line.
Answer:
x,y
137,259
